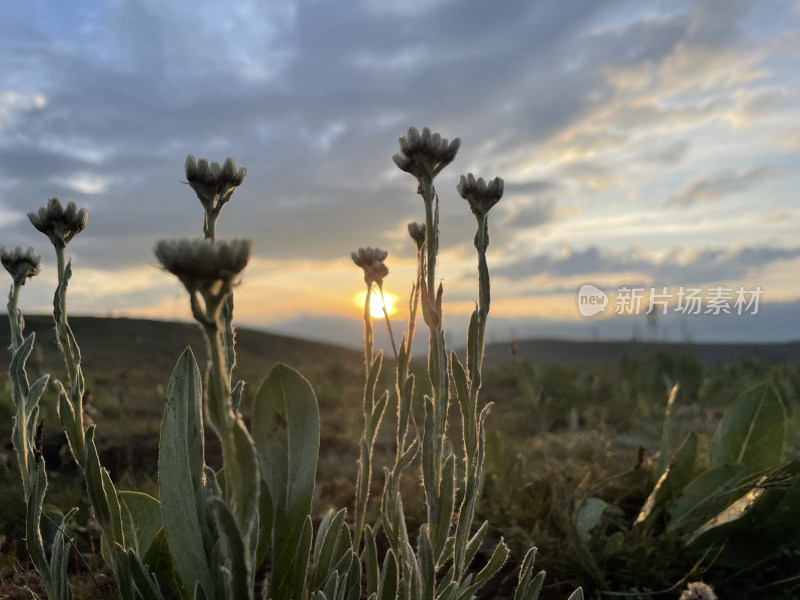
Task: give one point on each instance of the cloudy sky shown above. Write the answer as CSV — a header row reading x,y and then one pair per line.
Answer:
x,y
643,144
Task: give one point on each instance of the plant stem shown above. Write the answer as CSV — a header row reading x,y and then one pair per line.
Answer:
x,y
60,308
388,324
72,423
368,334
20,429
219,390
481,243
14,317
364,475
437,357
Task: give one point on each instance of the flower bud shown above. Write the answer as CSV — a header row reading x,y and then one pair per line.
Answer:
x,y
57,223
201,265
417,231
21,264
480,196
425,155
211,182
371,260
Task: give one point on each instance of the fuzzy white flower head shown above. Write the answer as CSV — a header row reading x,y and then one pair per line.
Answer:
x,y
425,154
202,265
371,260
22,264
698,590
417,232
210,181
58,223
480,196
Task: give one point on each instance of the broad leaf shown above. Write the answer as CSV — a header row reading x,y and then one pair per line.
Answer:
x,y
180,474
286,435
706,494
141,519
752,431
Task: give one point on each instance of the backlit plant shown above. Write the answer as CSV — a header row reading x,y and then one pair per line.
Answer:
x,y
210,532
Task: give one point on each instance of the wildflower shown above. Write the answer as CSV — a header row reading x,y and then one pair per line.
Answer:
x,y
371,260
210,181
425,155
417,233
480,195
203,265
698,590
22,264
58,223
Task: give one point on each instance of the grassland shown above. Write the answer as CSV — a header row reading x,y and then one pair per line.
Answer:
x,y
580,420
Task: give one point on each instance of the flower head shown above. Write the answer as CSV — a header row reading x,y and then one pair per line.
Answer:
x,y
426,154
210,181
480,195
203,265
371,260
417,232
58,223
698,590
22,264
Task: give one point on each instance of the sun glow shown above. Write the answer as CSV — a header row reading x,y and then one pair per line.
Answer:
x,y
376,304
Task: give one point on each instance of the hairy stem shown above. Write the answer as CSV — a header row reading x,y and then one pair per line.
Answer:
x,y
15,317
72,398
437,357
364,476
388,324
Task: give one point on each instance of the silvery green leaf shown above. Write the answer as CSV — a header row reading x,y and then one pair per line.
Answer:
x,y
146,583
527,589
180,471
499,556
427,565
286,430
474,544
371,564
387,590
265,514
160,562
329,551
59,558
141,519
239,569
33,522
441,528
94,484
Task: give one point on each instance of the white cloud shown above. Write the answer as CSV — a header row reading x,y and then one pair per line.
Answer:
x,y
84,183
12,103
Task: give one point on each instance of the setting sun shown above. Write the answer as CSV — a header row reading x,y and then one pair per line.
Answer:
x,y
375,304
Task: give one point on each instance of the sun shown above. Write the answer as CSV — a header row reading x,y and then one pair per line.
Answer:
x,y
375,304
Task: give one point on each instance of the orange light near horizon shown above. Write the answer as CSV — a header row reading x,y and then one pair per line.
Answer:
x,y
376,304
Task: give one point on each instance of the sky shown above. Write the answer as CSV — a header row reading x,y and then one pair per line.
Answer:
x,y
644,145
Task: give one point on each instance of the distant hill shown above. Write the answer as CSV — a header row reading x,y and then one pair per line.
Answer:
x,y
151,348
142,353
589,354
